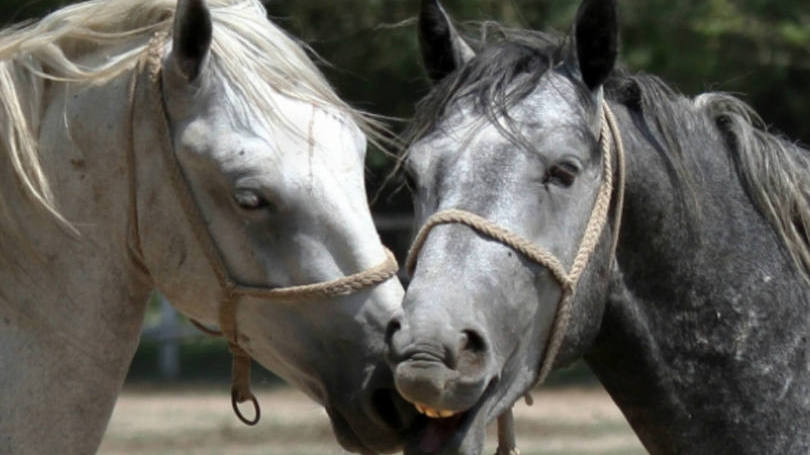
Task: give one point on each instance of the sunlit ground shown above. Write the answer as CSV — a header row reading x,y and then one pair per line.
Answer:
x,y
198,420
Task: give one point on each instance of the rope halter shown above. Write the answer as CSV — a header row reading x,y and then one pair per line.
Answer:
x,y
567,280
231,289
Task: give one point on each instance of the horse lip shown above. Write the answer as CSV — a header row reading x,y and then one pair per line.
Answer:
x,y
419,353
431,384
424,357
434,386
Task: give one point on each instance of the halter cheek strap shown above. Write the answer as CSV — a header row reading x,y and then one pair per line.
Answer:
x,y
567,280
231,289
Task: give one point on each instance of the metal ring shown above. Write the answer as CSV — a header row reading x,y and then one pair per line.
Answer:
x,y
241,416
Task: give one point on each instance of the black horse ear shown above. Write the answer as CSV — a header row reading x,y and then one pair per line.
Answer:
x,y
597,40
192,37
443,49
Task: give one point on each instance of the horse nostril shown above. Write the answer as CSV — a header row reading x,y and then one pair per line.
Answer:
x,y
473,352
472,341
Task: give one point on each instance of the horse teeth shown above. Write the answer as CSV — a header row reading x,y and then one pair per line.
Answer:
x,y
433,413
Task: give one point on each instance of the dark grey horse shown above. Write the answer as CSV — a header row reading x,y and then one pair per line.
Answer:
x,y
698,326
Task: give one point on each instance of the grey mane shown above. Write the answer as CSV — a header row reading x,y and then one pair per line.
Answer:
x,y
774,172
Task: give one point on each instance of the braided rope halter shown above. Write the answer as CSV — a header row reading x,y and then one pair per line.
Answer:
x,y
232,290
568,280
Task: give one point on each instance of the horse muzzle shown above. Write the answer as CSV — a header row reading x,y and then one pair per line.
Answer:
x,y
442,368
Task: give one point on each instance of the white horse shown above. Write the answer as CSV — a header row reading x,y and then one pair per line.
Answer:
x,y
152,144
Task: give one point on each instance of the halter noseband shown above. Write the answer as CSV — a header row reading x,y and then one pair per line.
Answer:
x,y
232,290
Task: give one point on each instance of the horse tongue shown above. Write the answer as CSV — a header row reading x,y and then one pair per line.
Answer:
x,y
437,432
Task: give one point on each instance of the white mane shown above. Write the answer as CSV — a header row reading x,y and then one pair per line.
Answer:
x,y
254,56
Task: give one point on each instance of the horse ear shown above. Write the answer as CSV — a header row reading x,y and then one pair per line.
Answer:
x,y
597,40
192,37
443,49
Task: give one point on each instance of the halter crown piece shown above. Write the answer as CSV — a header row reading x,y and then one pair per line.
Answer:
x,y
567,280
232,290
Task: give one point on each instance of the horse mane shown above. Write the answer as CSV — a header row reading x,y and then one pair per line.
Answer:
x,y
510,62
774,170
252,55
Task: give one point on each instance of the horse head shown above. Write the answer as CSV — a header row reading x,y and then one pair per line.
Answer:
x,y
507,158
255,199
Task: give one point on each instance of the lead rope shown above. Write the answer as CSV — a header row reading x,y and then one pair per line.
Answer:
x,y
609,134
231,289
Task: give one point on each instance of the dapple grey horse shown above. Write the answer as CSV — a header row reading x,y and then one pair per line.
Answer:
x,y
699,324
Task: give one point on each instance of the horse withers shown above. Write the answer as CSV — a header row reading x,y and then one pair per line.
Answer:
x,y
533,161
191,146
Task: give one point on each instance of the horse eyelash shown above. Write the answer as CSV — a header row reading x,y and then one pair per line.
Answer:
x,y
563,175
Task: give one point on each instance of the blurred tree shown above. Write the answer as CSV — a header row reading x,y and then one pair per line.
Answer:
x,y
759,49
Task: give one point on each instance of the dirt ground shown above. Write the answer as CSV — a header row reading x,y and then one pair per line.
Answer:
x,y
199,421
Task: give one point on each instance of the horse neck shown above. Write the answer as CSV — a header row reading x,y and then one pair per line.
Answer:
x,y
70,306
704,338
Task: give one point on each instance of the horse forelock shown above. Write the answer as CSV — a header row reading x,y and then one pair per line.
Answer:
x,y
774,171
252,54
506,69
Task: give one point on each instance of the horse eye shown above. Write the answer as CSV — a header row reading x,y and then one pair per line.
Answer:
x,y
250,200
561,175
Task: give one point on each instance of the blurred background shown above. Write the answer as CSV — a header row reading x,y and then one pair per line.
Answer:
x,y
176,398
